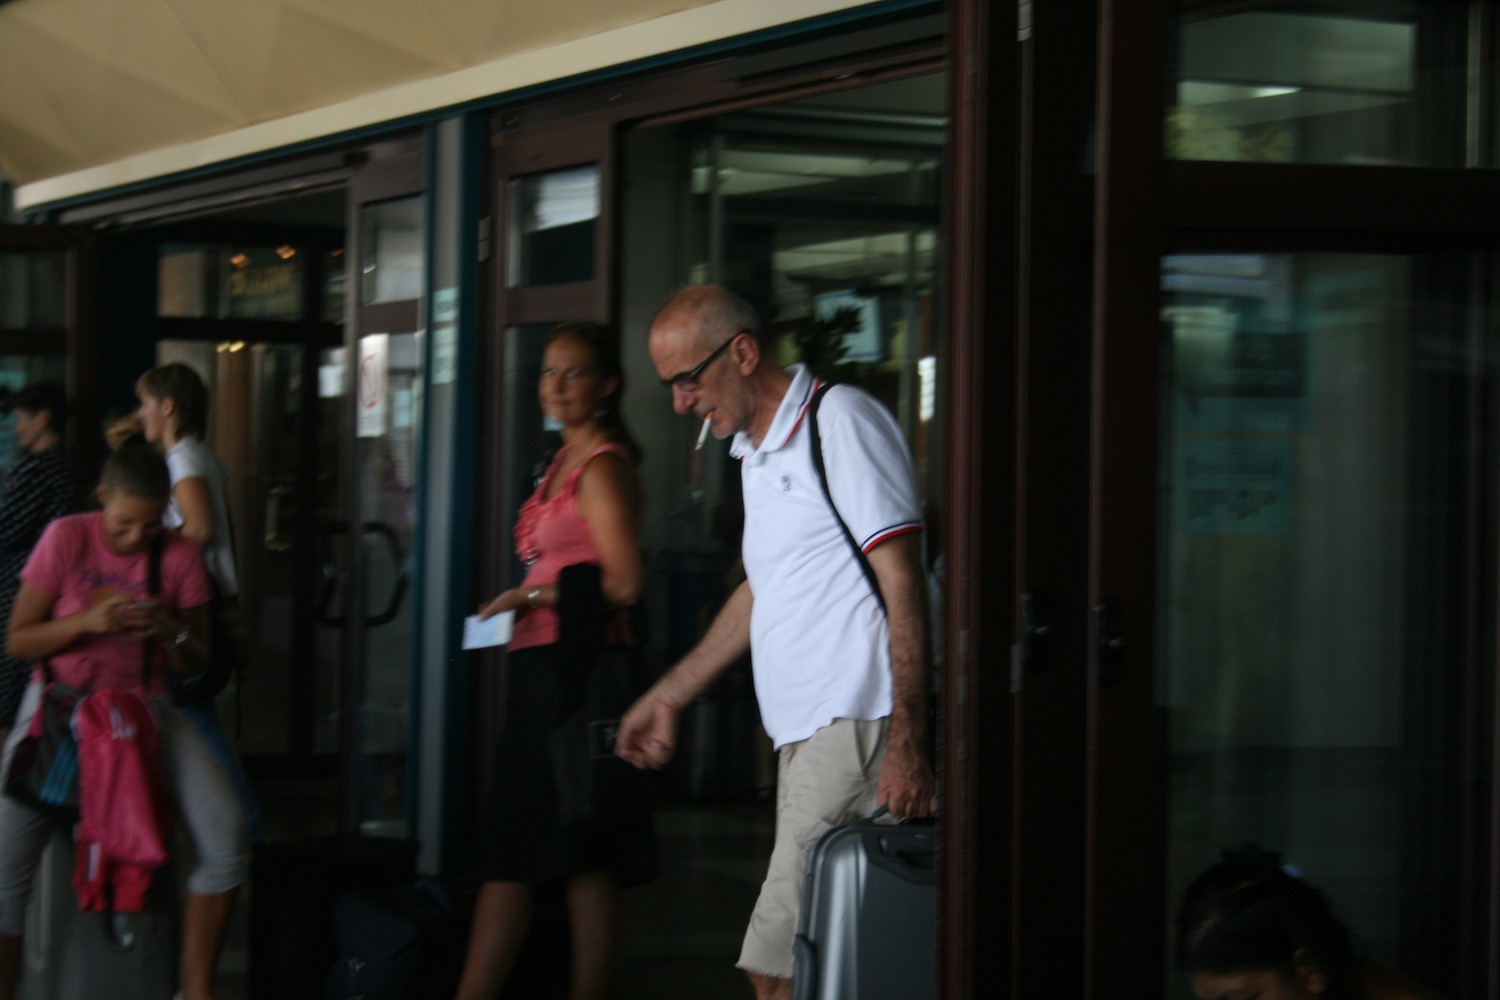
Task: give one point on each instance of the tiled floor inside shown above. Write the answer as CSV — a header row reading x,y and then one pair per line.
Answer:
x,y
680,935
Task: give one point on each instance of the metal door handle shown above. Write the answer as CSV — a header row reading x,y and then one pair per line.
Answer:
x,y
1109,634
1035,629
332,575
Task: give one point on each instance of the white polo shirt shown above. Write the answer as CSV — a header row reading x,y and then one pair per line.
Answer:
x,y
818,638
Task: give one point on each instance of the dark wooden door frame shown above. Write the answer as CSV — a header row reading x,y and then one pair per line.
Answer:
x,y
977,923
1125,926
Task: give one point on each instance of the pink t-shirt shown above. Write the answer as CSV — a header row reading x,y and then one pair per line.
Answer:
x,y
553,534
74,562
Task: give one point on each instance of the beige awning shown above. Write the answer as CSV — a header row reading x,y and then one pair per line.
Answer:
x,y
95,94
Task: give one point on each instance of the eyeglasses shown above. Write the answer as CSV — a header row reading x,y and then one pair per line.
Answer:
x,y
688,381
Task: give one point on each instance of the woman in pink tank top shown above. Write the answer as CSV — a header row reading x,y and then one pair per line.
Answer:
x,y
556,811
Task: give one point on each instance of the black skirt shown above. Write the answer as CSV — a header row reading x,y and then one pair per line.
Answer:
x,y
558,805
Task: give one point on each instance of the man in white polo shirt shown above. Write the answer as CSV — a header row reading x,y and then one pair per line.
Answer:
x,y
841,681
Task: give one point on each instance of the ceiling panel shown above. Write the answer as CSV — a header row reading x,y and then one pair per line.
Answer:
x,y
87,83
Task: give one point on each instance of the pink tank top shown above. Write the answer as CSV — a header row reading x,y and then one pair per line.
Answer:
x,y
551,534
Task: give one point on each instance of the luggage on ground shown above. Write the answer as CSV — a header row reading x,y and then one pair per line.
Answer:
x,y
410,943
868,926
403,943
71,955
293,886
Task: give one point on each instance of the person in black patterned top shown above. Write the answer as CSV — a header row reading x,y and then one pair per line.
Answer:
x,y
44,485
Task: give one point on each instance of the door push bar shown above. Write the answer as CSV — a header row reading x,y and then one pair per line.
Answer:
x,y
332,575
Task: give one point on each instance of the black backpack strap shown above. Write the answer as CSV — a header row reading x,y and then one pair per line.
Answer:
x,y
816,441
153,590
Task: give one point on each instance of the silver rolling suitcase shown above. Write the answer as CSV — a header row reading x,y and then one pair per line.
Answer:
x,y
71,955
868,928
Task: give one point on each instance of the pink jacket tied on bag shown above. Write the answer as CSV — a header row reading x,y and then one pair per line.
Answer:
x,y
123,826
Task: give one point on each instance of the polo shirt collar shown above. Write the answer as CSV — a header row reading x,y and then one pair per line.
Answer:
x,y
788,417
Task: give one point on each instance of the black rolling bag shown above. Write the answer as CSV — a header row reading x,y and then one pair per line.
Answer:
x,y
410,942
403,943
293,886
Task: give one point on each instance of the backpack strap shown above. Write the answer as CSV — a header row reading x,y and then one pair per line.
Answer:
x,y
153,589
816,441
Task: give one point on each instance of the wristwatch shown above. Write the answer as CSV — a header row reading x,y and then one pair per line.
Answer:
x,y
533,597
181,637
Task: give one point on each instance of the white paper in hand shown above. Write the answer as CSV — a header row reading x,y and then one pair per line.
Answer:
x,y
493,631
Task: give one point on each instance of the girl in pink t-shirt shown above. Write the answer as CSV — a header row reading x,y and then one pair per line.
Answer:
x,y
86,608
90,584
84,604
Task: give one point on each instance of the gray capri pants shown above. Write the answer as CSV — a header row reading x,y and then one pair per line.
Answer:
x,y
202,795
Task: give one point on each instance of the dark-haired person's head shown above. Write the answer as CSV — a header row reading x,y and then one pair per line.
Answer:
x,y
1248,928
41,410
173,398
41,397
133,489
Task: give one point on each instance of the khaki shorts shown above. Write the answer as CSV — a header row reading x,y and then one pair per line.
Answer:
x,y
825,781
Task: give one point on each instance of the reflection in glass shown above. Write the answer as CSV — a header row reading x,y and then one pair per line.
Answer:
x,y
1310,461
33,289
335,432
229,282
827,218
267,496
551,229
393,253
387,502
335,272
1284,83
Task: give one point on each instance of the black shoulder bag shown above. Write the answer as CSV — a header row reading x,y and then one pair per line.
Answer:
x,y
817,457
222,658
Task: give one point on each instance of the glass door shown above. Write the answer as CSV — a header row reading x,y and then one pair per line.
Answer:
x,y
275,442
1326,565
256,311
372,545
554,235
302,319
1292,523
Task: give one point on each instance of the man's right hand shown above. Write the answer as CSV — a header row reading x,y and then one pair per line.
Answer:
x,y
647,736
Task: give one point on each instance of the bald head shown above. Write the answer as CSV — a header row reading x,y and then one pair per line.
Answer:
x,y
713,372
703,317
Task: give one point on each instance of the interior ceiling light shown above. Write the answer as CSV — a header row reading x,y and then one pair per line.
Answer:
x,y
240,260
286,252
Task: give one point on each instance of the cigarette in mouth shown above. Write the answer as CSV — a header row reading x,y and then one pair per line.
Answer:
x,y
703,434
